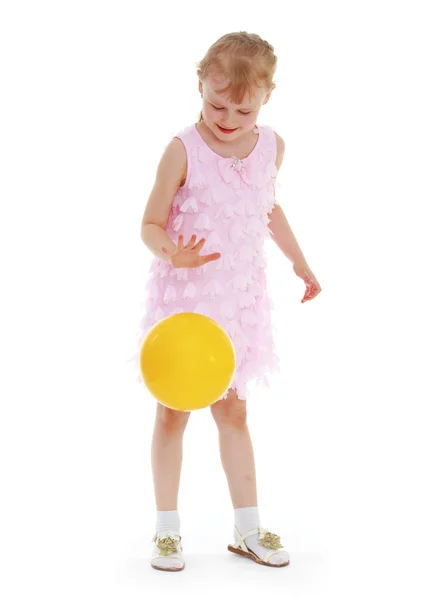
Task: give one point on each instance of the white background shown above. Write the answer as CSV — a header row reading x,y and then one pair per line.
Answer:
x,y
92,92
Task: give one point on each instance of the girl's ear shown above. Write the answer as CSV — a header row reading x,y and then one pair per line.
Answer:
x,y
267,97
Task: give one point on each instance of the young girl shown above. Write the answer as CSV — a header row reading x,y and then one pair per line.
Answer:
x,y
209,212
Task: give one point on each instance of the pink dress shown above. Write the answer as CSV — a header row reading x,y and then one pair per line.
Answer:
x,y
226,201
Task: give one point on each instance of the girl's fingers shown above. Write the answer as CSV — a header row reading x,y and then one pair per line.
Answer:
x,y
312,288
180,242
311,294
191,242
209,257
199,244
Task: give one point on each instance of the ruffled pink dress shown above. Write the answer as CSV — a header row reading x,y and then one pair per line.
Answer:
x,y
226,201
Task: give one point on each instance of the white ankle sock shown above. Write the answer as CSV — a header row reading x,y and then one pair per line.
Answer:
x,y
247,519
167,520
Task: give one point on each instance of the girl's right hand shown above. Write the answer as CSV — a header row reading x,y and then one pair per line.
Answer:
x,y
188,255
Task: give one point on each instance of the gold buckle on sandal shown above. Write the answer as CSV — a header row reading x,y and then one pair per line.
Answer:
x,y
269,540
167,542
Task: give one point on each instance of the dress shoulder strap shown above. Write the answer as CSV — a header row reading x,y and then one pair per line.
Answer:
x,y
187,137
268,141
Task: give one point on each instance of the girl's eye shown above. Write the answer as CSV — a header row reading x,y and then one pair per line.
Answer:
x,y
222,108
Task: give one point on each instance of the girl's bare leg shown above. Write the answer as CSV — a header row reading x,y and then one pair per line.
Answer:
x,y
238,462
166,455
236,450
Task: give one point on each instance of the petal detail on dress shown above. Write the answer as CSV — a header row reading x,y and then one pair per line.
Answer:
x,y
225,262
204,308
169,294
212,289
227,310
177,222
190,205
202,223
214,242
227,210
189,291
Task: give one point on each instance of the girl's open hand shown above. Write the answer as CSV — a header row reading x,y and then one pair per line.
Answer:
x,y
313,288
188,255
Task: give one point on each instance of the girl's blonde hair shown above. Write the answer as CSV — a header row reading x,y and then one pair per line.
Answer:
x,y
245,59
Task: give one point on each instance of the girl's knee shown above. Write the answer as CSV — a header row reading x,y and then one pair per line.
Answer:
x,y
171,419
230,411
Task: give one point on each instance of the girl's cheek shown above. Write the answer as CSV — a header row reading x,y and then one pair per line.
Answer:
x,y
208,114
250,122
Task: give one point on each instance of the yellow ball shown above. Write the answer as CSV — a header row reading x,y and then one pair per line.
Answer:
x,y
187,361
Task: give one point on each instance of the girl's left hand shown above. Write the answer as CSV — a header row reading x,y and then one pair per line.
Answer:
x,y
313,288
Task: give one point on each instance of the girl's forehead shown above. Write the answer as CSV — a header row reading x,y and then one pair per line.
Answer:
x,y
249,100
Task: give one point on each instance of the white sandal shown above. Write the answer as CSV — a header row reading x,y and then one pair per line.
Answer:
x,y
266,539
168,545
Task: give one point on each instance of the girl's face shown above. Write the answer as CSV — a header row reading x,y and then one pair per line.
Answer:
x,y
226,120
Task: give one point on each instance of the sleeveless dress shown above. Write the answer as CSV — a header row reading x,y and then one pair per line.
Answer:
x,y
226,201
